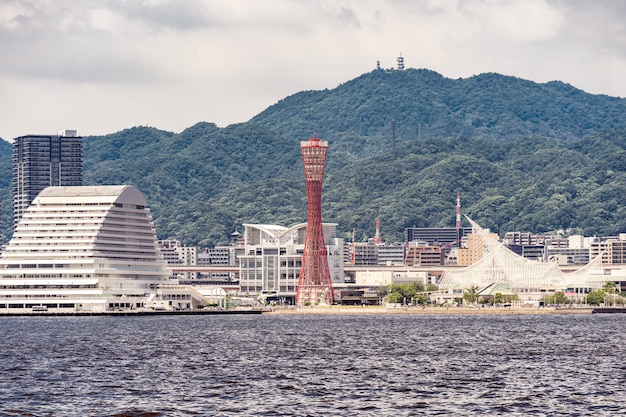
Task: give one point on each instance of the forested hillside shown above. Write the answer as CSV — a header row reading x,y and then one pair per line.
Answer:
x,y
402,144
359,115
6,170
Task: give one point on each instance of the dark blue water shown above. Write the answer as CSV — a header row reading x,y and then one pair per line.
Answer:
x,y
374,365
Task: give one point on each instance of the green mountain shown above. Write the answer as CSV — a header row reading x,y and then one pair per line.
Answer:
x,y
402,144
6,203
359,116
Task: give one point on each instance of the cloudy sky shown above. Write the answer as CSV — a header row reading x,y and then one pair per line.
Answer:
x,y
100,66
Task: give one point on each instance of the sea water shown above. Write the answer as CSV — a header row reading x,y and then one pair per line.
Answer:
x,y
309,365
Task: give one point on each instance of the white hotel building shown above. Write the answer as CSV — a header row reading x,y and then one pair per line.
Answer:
x,y
83,249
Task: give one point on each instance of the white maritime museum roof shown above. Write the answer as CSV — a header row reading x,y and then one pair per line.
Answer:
x,y
501,265
85,248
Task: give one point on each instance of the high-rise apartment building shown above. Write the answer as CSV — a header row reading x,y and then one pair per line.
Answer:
x,y
41,161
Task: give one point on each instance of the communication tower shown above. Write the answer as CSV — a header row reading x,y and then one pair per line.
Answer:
x,y
393,136
314,284
400,62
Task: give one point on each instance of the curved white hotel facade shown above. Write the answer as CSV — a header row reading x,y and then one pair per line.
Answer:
x,y
82,249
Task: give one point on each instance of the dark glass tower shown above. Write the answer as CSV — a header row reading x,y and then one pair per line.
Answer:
x,y
41,161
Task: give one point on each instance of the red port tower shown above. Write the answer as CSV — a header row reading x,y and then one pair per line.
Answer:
x,y
314,283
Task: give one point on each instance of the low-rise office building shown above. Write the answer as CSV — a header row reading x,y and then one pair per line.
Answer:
x,y
219,256
175,254
272,258
423,254
391,254
440,236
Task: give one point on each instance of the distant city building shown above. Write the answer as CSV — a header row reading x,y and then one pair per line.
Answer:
x,y
532,252
530,239
391,254
521,239
376,277
579,241
84,249
473,248
423,254
618,250
371,254
363,253
572,250
176,254
612,250
568,256
272,258
41,161
436,235
566,251
219,256
168,251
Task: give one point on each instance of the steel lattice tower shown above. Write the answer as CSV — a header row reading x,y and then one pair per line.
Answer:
x,y
314,284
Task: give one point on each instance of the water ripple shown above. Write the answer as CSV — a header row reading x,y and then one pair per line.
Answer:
x,y
310,365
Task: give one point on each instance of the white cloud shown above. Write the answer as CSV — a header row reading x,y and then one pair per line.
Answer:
x,y
103,65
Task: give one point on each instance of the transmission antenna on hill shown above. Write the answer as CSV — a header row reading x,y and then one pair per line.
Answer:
x,y
400,61
393,136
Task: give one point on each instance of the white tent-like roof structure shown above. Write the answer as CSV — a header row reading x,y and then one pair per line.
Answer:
x,y
501,265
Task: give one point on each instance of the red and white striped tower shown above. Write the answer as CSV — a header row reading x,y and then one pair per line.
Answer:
x,y
314,283
377,239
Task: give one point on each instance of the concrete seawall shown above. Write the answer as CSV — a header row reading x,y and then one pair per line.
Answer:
x,y
428,310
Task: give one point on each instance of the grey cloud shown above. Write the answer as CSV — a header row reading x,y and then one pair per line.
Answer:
x,y
597,25
179,14
74,59
57,43
347,17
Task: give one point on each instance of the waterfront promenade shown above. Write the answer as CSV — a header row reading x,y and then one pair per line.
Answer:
x,y
428,310
335,310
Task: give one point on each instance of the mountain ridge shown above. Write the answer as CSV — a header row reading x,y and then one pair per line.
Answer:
x,y
402,144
